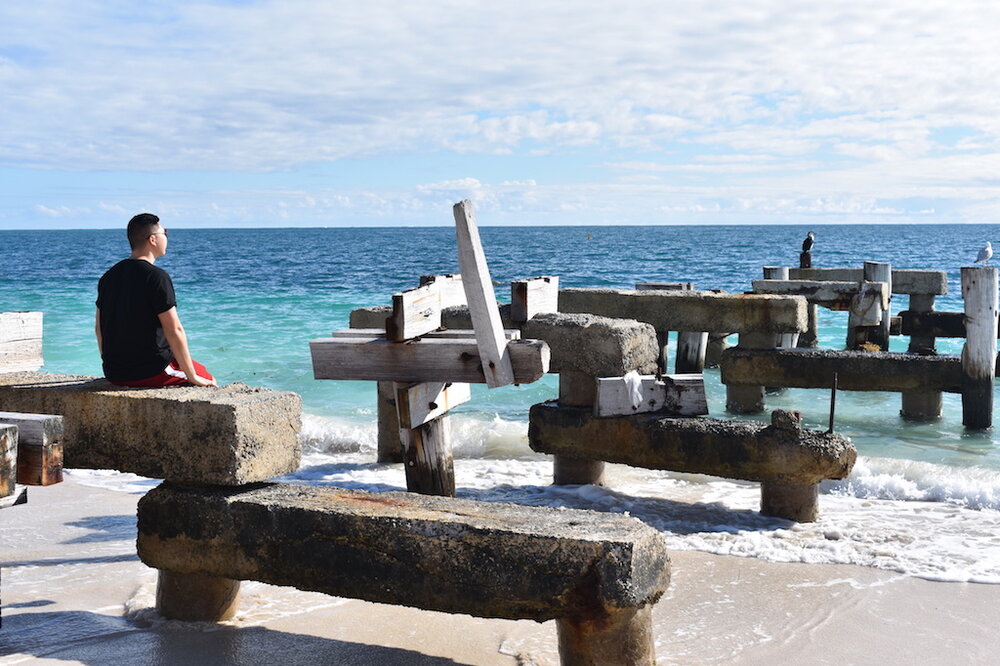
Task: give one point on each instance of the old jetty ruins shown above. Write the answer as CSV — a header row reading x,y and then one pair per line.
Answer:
x,y
218,519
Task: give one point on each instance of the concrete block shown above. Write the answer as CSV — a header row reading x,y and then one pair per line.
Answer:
x,y
595,346
746,450
856,370
230,435
904,281
692,310
458,556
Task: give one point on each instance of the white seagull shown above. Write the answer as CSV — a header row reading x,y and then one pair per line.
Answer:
x,y
985,253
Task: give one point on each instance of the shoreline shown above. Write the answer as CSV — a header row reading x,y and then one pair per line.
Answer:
x,y
75,592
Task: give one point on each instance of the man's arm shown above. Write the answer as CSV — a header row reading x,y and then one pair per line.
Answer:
x,y
177,340
97,332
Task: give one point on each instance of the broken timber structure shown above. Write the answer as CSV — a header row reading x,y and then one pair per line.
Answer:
x,y
920,375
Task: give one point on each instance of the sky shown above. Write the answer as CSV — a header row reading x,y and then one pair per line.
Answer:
x,y
246,113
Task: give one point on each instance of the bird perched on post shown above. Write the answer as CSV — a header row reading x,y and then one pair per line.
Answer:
x,y
807,244
985,253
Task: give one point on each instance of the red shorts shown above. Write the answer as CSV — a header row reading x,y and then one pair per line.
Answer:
x,y
172,375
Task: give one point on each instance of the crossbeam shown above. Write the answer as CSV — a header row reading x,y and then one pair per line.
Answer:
x,y
855,370
832,295
904,281
424,360
678,395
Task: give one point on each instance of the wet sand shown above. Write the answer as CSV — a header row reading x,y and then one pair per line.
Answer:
x,y
75,592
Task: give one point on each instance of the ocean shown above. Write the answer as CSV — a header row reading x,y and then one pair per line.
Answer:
x,y
923,499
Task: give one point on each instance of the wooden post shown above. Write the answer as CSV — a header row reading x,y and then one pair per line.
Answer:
x,y
390,446
8,459
39,447
875,271
427,456
482,299
718,342
749,399
691,348
620,637
195,597
534,296
921,405
865,311
810,338
805,260
785,340
979,289
577,389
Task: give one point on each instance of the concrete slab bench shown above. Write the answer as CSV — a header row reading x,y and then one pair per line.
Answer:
x,y
597,574
229,435
787,460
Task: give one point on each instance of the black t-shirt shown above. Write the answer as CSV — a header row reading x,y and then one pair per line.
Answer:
x,y
130,296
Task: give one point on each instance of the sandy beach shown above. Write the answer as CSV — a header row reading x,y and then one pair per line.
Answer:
x,y
75,592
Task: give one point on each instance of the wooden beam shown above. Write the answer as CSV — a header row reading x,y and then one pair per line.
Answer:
x,y
39,447
933,324
534,296
418,403
443,334
414,313
20,341
483,310
425,360
678,395
450,288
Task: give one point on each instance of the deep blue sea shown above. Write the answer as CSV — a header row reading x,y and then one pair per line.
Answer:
x,y
252,299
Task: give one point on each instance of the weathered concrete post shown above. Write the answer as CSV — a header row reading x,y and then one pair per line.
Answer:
x,y
979,289
196,597
390,446
625,637
748,399
792,501
921,405
875,271
810,337
577,389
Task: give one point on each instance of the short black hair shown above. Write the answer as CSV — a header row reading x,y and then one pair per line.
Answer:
x,y
140,228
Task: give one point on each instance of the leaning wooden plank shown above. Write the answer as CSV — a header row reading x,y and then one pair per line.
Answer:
x,y
444,334
679,395
482,299
833,295
855,370
904,281
426,360
39,447
20,341
8,459
414,313
449,286
418,403
534,296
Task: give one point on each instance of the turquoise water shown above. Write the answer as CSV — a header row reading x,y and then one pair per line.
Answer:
x,y
251,299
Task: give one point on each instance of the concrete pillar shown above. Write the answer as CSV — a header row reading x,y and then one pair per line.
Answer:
x,y
791,501
717,343
196,597
749,399
390,447
810,338
921,405
624,637
979,290
577,389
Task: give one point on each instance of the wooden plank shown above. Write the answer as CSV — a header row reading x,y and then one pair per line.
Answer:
x,y
421,402
443,334
414,313
39,447
426,360
832,295
427,458
8,459
534,296
979,291
678,395
20,341
691,348
450,288
482,299
933,324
